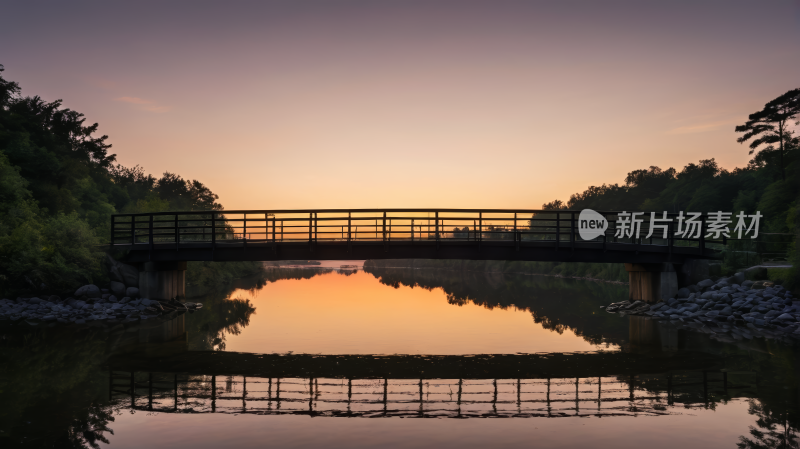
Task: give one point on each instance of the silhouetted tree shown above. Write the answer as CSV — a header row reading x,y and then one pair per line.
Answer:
x,y
770,125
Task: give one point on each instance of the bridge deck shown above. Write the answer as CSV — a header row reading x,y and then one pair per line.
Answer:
x,y
529,235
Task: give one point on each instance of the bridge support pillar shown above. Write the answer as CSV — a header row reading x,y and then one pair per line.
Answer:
x,y
651,282
163,280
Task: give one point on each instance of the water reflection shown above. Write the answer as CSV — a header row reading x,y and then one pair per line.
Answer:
x,y
91,387
556,304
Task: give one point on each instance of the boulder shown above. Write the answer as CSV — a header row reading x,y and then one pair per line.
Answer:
x,y
705,283
683,293
739,278
118,288
132,292
122,272
90,291
756,273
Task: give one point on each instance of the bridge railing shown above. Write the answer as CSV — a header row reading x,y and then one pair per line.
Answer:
x,y
559,228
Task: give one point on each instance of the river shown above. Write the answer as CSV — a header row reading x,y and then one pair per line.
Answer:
x,y
397,357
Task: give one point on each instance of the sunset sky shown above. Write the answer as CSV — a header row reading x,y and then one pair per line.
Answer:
x,y
326,104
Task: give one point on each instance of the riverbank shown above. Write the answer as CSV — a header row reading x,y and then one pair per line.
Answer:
x,y
103,310
731,308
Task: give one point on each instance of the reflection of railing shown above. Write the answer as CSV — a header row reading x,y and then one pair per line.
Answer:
x,y
558,229
456,398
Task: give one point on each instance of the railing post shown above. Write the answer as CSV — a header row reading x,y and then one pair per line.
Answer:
x,y
244,230
702,235
349,235
670,240
177,234
310,227
437,229
517,237
150,237
133,229
604,239
572,230
558,230
412,231
273,232
213,229
480,229
383,231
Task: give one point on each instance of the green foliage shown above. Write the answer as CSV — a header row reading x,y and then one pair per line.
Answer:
x,y
59,188
771,125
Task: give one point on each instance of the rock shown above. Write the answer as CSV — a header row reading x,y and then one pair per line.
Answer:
x,y
146,302
739,277
122,272
758,285
705,283
683,293
785,317
132,292
105,295
90,291
118,288
756,273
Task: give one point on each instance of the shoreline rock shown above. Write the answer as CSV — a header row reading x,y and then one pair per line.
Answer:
x,y
730,308
90,306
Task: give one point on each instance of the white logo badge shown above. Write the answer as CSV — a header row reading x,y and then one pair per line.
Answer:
x,y
591,224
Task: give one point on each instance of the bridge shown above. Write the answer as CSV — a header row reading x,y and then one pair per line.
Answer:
x,y
166,240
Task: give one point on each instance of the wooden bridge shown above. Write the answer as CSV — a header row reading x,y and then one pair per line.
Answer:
x,y
360,234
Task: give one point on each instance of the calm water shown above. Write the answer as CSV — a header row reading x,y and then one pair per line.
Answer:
x,y
304,357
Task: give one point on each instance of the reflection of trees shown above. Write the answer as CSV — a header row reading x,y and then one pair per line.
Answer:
x,y
223,316
218,317
53,390
89,428
773,431
556,304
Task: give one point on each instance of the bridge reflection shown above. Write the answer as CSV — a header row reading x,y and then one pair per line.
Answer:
x,y
633,395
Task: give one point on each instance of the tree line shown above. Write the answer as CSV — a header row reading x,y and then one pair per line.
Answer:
x,y
59,186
